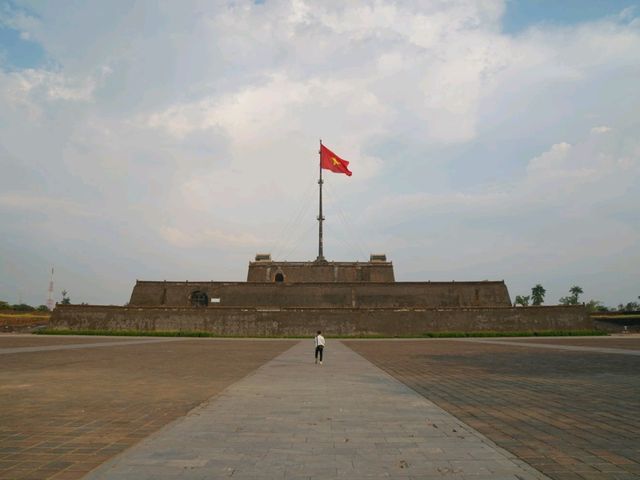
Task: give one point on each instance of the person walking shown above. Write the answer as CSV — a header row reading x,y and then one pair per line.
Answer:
x,y
319,343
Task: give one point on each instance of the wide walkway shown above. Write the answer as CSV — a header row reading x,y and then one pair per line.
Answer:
x,y
291,419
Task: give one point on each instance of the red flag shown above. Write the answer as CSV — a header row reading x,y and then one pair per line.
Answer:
x,y
330,161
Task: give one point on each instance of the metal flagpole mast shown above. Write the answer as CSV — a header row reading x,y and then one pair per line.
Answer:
x,y
320,217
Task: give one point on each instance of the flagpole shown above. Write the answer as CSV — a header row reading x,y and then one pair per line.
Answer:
x,y
320,217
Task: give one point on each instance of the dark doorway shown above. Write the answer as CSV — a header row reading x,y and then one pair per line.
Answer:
x,y
199,299
279,277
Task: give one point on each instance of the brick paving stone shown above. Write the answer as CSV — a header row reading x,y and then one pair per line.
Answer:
x,y
630,342
14,340
557,346
87,344
67,411
569,414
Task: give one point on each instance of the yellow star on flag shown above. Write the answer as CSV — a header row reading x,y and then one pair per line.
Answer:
x,y
333,162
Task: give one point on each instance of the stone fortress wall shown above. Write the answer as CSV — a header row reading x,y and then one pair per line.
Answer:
x,y
274,322
322,295
378,269
340,298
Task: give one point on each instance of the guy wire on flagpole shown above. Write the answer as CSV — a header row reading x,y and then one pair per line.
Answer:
x,y
320,217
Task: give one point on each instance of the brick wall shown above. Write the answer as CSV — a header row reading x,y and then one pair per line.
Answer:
x,y
234,321
352,295
321,272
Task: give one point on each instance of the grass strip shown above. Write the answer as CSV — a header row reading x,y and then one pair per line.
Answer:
x,y
138,333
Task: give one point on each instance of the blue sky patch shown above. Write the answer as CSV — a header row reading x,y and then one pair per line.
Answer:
x,y
522,14
15,52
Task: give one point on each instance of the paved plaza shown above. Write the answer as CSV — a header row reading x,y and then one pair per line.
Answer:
x,y
66,411
569,407
143,408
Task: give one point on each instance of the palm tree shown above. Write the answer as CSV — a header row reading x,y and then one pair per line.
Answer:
x,y
537,294
576,291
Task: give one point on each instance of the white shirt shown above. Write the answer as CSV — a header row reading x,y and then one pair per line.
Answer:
x,y
319,340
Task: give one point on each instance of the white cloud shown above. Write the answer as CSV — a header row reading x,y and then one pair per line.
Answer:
x,y
33,89
256,114
398,71
563,177
42,204
601,129
550,161
209,237
18,20
195,129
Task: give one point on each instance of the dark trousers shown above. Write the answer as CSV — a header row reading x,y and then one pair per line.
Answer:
x,y
319,350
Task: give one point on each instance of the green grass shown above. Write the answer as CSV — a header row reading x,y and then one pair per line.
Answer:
x,y
137,333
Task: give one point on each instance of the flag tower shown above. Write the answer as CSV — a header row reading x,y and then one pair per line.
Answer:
x,y
329,161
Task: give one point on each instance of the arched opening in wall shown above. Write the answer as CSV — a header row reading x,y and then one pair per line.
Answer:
x,y
199,299
279,277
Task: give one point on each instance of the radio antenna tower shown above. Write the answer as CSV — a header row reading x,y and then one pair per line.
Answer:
x,y
50,298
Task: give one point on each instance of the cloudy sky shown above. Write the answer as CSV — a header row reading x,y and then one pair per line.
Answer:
x,y
488,139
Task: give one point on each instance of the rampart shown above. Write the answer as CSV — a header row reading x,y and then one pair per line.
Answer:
x,y
246,321
323,295
334,272
617,323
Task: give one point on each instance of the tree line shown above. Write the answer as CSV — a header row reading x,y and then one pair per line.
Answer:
x,y
538,293
24,307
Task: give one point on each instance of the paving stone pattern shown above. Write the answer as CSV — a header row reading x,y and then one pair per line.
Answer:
x,y
625,342
65,412
292,419
79,346
569,414
559,346
13,340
